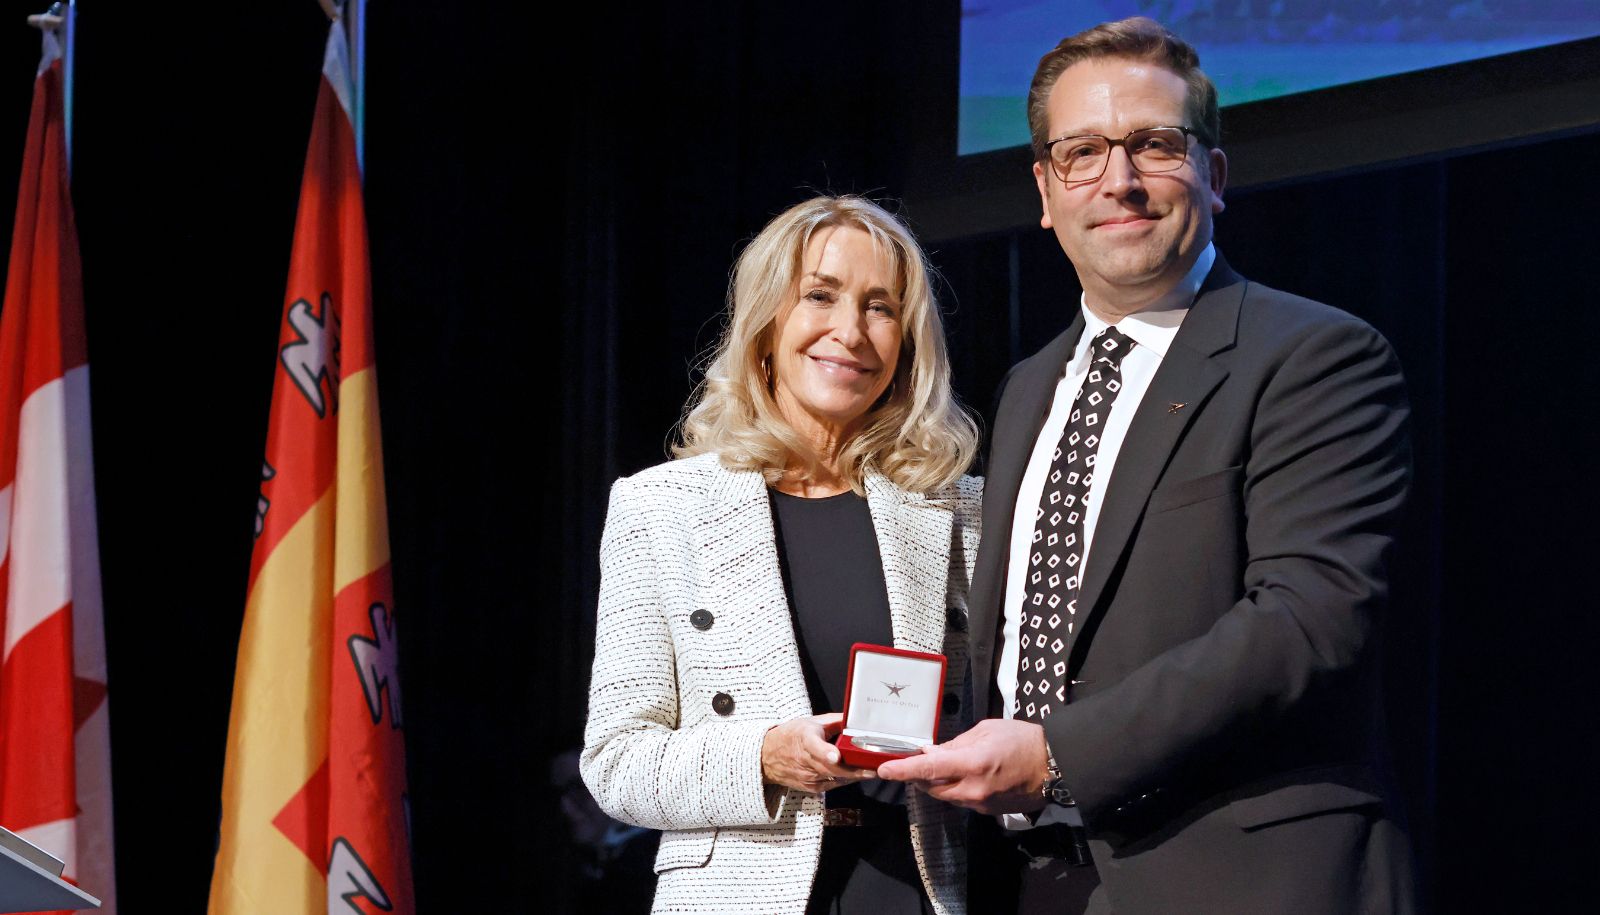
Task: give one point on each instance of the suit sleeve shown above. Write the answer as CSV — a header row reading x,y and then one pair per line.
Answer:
x,y
1325,478
641,767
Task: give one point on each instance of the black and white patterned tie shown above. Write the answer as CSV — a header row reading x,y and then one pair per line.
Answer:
x,y
1055,567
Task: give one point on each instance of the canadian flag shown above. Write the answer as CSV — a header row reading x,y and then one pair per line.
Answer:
x,y
55,740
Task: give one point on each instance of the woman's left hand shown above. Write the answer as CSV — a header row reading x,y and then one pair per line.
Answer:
x,y
799,754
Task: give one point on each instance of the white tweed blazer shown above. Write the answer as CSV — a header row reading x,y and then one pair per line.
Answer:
x,y
691,535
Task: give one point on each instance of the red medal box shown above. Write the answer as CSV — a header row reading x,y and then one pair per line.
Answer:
x,y
891,705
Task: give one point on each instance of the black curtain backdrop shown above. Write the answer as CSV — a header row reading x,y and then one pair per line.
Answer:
x,y
554,204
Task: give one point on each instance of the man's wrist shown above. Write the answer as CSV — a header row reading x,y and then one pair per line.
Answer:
x,y
1054,789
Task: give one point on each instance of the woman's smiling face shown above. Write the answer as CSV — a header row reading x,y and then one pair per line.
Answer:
x,y
838,344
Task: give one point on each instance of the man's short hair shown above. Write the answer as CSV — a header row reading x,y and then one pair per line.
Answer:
x,y
1137,38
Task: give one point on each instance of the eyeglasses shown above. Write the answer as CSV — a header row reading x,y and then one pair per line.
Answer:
x,y
1151,150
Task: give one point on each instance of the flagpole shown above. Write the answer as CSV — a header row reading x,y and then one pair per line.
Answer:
x,y
69,43
63,18
354,14
356,22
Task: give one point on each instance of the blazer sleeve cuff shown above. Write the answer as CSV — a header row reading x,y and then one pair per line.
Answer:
x,y
732,773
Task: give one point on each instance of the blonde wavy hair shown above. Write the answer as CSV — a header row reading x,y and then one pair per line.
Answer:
x,y
918,435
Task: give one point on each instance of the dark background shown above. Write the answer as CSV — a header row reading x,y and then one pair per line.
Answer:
x,y
554,206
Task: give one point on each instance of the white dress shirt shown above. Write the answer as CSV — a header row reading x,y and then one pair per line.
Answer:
x,y
1152,330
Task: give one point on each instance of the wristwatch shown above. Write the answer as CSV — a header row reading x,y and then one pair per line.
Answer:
x,y
1054,790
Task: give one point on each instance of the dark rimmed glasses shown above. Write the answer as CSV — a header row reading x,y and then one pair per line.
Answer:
x,y
1152,150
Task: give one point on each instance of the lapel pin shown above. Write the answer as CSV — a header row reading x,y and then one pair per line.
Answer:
x,y
1175,407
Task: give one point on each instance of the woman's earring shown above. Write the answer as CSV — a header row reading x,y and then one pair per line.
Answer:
x,y
766,368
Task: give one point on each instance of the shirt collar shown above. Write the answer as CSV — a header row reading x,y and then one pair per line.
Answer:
x,y
1153,328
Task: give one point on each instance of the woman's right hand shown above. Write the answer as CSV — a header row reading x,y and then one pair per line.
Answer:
x,y
800,754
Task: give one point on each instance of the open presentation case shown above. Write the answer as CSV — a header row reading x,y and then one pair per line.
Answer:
x,y
892,701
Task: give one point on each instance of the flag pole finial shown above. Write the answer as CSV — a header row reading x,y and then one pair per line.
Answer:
x,y
52,17
331,8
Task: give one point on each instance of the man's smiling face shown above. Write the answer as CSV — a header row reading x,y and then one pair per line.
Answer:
x,y
1131,236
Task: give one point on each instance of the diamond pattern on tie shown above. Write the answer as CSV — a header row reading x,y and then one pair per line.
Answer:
x,y
1054,572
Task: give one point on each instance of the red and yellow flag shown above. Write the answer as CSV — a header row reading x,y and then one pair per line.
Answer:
x,y
55,740
313,793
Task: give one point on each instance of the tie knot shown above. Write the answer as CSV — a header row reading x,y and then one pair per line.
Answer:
x,y
1110,345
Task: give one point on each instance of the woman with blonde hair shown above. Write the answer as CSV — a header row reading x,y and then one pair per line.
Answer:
x,y
817,500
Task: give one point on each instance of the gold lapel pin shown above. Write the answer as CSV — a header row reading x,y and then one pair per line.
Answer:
x,y
1175,407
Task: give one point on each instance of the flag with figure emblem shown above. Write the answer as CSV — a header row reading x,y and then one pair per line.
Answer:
x,y
55,739
313,794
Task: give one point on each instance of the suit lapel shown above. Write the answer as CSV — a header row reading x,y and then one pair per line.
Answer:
x,y
733,531
1023,408
914,544
1024,403
733,534
1188,375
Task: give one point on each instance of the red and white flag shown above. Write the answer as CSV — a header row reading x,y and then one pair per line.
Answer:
x,y
313,792
55,738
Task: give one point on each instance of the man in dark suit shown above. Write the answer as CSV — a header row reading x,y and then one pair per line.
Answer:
x,y
1190,502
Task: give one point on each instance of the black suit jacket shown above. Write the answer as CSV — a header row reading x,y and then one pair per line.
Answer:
x,y
1224,741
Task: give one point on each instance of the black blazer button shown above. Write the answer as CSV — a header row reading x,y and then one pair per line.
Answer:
x,y
701,619
952,703
955,619
722,704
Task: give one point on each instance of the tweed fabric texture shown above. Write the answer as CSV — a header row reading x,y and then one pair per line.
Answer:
x,y
691,535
